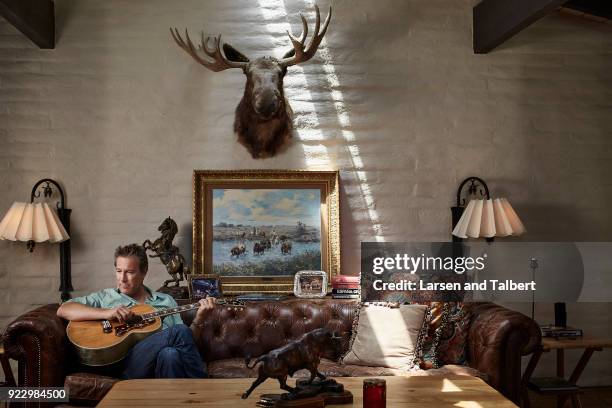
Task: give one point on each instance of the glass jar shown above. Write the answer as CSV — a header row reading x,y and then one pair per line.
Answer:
x,y
374,393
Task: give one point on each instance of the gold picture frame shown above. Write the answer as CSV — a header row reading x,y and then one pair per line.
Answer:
x,y
295,183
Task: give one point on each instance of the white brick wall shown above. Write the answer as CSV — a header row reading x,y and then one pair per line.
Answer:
x,y
121,116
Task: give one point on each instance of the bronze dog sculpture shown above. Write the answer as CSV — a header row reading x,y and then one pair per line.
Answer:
x,y
304,353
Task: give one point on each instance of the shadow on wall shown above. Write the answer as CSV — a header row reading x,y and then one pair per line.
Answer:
x,y
562,80
568,138
560,223
350,242
64,11
185,243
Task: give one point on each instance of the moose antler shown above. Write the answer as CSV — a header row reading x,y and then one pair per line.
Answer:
x,y
219,63
302,53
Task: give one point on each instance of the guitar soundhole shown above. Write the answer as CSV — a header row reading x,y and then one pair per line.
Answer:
x,y
124,328
134,320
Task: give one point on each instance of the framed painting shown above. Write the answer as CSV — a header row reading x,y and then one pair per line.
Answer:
x,y
203,286
256,228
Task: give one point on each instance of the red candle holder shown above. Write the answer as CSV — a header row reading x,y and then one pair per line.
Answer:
x,y
374,393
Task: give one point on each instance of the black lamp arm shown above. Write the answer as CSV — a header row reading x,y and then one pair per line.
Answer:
x,y
472,189
47,191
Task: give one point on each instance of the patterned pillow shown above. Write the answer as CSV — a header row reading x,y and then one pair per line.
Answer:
x,y
445,341
453,337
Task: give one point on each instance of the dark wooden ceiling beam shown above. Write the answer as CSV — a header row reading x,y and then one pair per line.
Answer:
x,y
34,18
495,21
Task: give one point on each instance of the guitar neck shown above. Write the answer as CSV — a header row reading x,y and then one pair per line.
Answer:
x,y
175,310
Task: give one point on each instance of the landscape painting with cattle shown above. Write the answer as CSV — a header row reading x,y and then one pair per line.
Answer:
x,y
266,232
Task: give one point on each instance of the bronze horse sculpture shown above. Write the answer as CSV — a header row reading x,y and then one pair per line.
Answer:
x,y
167,253
263,120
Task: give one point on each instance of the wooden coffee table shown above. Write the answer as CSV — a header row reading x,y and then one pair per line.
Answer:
x,y
425,392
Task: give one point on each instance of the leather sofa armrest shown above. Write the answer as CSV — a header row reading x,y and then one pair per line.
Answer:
x,y
37,339
497,339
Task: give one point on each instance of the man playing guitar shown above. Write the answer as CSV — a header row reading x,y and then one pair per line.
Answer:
x,y
169,353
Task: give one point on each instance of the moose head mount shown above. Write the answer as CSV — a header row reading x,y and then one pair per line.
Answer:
x,y
263,120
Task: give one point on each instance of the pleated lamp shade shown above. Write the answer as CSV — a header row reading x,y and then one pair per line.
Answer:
x,y
488,219
32,222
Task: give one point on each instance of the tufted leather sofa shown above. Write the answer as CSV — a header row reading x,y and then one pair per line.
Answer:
x,y
497,339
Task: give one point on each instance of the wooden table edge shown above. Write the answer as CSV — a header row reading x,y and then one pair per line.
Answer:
x,y
289,380
551,343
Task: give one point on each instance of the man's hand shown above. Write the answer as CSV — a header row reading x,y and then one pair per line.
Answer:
x,y
78,312
122,314
206,305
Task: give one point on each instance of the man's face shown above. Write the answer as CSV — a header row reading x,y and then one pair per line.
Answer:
x,y
128,274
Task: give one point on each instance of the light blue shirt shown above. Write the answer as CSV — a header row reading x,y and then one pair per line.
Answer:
x,y
112,297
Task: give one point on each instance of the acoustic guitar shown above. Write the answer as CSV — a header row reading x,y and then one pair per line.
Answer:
x,y
104,342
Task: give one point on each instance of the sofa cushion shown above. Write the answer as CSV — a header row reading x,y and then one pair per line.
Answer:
x,y
235,368
230,368
88,388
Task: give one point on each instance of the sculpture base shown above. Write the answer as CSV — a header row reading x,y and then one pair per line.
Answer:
x,y
177,292
314,395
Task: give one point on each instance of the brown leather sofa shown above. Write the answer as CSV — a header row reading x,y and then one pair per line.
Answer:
x,y
497,339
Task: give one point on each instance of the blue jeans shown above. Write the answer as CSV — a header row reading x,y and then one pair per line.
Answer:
x,y
171,353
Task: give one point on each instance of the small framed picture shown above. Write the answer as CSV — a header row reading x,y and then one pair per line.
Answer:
x,y
310,284
202,286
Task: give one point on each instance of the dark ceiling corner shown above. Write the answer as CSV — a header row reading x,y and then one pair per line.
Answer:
x,y
601,9
495,21
34,18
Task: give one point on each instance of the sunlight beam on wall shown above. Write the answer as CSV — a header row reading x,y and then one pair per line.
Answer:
x,y
307,122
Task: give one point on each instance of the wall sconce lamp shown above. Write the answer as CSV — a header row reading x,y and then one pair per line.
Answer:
x,y
483,217
37,222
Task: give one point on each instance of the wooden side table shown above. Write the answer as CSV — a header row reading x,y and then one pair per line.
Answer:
x,y
589,344
9,380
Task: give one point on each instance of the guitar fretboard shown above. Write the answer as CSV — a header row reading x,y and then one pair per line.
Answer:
x,y
178,309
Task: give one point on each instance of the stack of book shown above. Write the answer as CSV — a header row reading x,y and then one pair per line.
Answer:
x,y
345,287
553,331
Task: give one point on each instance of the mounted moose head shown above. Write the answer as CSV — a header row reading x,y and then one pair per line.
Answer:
x,y
263,119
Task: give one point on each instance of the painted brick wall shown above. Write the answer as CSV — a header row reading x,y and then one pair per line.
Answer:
x,y
395,99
